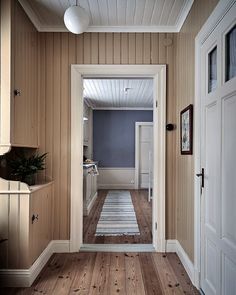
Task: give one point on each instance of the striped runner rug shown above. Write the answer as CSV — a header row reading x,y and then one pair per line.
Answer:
x,y
118,217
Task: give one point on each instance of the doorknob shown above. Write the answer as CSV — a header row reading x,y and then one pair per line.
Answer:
x,y
202,175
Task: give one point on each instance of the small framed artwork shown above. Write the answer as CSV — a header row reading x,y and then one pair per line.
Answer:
x,y
186,130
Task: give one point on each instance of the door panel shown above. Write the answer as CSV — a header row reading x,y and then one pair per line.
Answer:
x,y
145,148
218,157
211,167
229,169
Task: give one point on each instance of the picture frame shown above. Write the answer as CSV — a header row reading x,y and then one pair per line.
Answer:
x,y
186,130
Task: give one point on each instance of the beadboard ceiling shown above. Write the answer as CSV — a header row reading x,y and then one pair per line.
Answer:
x,y
119,93
112,15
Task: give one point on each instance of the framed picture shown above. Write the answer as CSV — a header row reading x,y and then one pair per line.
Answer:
x,y
186,130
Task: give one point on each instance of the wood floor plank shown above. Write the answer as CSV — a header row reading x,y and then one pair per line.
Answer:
x,y
83,274
166,274
181,274
66,276
133,275
92,273
117,274
99,283
47,280
151,279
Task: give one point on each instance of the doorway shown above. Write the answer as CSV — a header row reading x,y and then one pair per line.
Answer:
x,y
158,74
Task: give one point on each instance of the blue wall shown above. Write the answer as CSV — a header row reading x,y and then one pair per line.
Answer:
x,y
114,136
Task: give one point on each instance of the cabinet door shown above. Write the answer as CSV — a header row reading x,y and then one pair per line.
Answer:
x,y
25,80
40,221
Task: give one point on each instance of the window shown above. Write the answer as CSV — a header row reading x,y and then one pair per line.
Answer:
x,y
212,70
230,65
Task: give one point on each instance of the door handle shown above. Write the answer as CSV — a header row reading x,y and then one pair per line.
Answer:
x,y
202,175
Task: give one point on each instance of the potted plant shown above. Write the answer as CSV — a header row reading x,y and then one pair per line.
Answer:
x,y
24,168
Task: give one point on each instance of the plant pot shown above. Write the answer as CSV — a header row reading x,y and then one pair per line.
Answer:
x,y
29,179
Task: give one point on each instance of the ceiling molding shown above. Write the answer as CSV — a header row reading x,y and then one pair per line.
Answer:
x,y
116,29
184,13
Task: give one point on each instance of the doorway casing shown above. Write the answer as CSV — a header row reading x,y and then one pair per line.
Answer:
x,y
158,73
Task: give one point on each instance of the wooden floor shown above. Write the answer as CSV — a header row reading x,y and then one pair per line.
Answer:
x,y
143,210
111,273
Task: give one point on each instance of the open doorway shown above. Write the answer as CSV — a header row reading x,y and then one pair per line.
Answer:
x,y
116,209
158,75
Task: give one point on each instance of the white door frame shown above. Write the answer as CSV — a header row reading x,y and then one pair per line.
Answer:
x,y
158,73
213,21
137,158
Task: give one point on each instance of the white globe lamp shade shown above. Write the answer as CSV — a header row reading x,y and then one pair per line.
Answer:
x,y
76,19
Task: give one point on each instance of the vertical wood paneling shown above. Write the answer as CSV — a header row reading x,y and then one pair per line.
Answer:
x,y
170,140
124,48
162,49
132,48
154,48
94,45
48,76
41,99
139,48
117,48
87,48
102,48
147,48
64,224
56,150
80,49
109,48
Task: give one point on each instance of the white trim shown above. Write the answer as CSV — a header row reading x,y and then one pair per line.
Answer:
x,y
121,109
158,73
173,246
137,129
90,206
187,263
117,248
141,29
116,178
212,22
26,277
182,17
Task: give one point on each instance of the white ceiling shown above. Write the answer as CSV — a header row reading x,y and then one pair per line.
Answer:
x,y
112,15
110,94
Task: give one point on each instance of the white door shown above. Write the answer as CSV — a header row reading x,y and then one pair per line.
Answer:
x,y
145,153
218,158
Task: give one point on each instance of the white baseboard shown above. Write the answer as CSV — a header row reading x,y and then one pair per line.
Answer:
x,y
116,178
117,248
25,277
175,246
116,186
90,206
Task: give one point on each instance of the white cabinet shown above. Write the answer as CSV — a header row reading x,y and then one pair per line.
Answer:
x,y
89,190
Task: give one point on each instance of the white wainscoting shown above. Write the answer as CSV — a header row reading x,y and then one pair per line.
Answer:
x,y
116,178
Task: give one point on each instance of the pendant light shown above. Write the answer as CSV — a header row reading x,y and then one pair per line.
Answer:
x,y
76,19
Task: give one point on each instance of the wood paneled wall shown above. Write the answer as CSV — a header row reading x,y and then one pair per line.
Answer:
x,y
57,52
185,55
